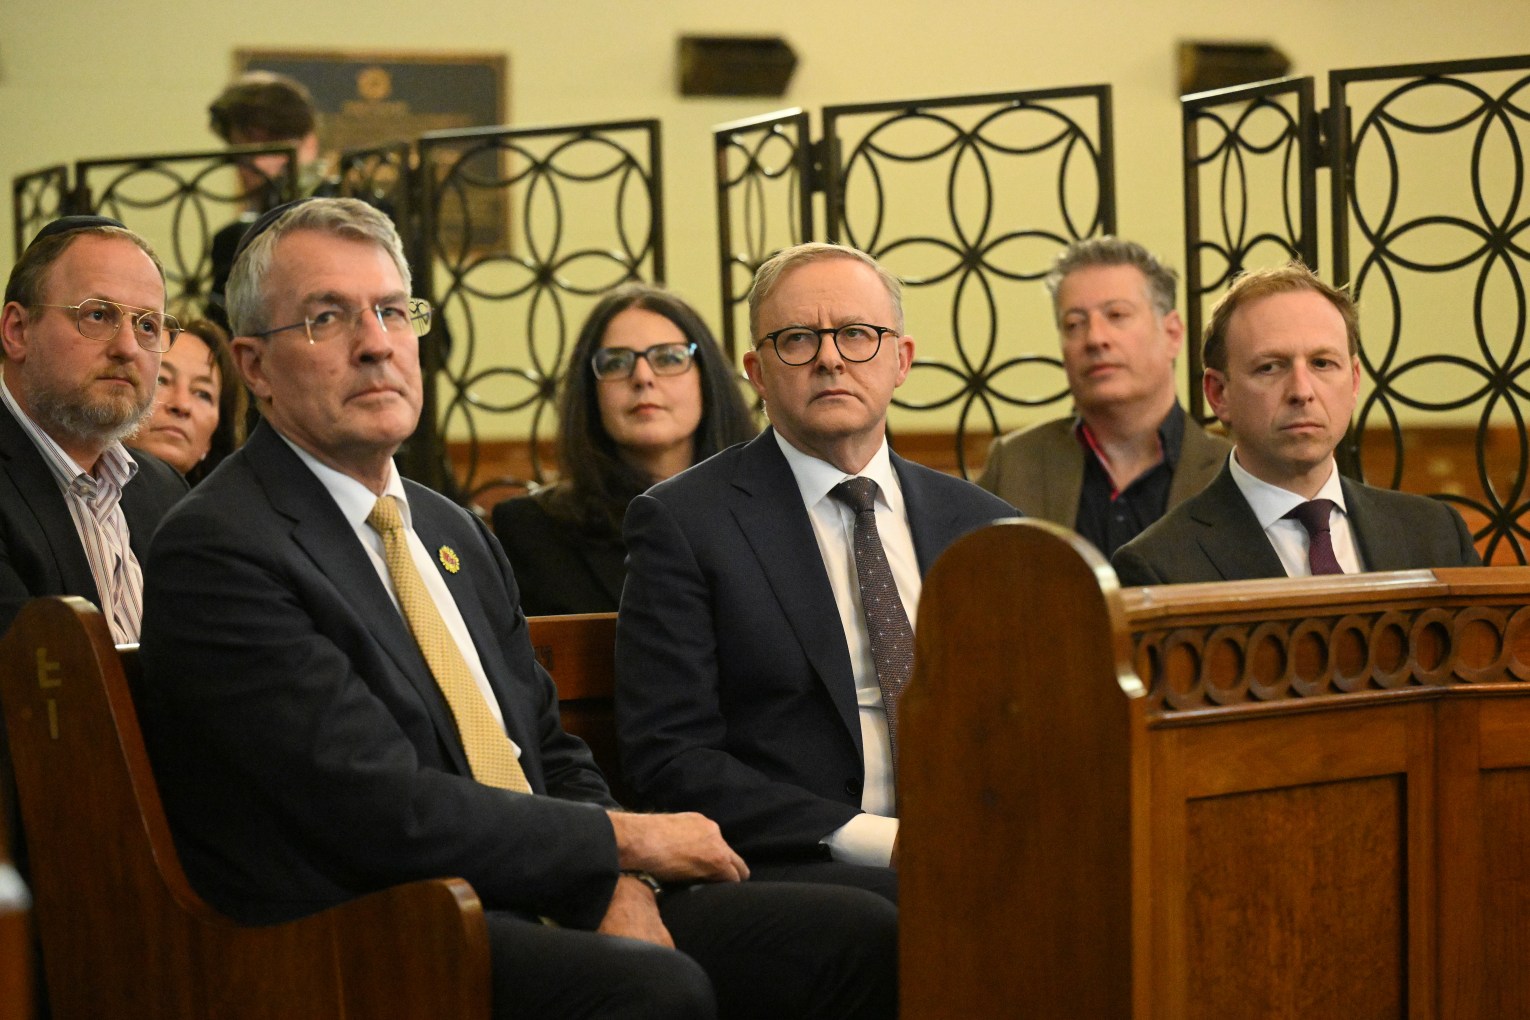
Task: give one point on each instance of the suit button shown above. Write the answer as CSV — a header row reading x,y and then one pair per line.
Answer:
x,y
853,787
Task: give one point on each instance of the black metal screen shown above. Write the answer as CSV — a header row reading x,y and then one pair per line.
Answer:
x,y
37,199
178,202
968,201
1250,175
1430,230
523,230
765,182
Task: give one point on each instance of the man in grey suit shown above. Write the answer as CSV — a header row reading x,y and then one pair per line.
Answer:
x,y
340,693
1129,452
1283,373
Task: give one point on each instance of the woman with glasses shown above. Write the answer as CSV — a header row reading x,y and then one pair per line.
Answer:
x,y
647,393
199,403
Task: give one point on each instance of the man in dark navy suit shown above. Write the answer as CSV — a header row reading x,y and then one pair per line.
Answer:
x,y
766,623
84,326
340,694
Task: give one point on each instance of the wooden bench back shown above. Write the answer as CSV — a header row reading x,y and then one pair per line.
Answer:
x,y
1265,799
580,653
122,932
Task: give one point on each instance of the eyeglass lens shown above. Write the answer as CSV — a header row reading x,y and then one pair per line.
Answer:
x,y
99,319
664,359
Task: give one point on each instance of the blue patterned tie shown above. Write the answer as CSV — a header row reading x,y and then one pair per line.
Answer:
x,y
892,639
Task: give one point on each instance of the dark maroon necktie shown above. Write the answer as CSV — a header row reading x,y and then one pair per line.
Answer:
x,y
892,639
1314,515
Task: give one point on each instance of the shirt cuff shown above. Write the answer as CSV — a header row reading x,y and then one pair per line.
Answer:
x,y
864,839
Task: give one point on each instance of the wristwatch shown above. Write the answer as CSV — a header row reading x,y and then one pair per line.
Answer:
x,y
646,879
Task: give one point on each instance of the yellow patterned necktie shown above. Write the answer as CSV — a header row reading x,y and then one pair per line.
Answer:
x,y
489,751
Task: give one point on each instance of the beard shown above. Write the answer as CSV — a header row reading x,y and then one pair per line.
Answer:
x,y
75,412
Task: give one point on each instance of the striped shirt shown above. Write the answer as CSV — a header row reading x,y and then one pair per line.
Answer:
x,y
95,503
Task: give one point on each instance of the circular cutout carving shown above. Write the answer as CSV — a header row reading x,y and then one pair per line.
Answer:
x,y
1516,639
1182,669
1222,666
1351,659
1432,647
1269,675
1309,658
1480,650
1390,666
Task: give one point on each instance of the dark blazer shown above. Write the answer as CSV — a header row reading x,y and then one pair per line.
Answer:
x,y
1040,470
1216,537
559,567
305,754
40,550
734,691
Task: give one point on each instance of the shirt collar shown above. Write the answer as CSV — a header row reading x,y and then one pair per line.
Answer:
x,y
815,477
1270,502
115,467
1171,435
354,499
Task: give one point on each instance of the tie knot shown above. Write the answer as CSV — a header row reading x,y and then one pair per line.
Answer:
x,y
385,516
1314,515
858,492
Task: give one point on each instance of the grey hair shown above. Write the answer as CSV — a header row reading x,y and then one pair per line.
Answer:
x,y
348,218
772,269
1113,251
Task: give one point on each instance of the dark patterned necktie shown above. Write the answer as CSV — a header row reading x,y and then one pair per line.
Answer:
x,y
1314,515
892,639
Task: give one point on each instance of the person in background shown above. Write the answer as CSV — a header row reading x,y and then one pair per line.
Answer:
x,y
1129,452
646,394
199,404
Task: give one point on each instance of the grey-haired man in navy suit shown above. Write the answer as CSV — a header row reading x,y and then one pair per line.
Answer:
x,y
750,686
310,749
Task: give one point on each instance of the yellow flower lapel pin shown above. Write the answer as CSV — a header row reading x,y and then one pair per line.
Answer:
x,y
449,559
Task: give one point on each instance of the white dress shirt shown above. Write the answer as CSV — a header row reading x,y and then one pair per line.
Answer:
x,y
868,837
356,502
1271,503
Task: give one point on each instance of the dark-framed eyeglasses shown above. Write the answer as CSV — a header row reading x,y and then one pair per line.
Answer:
x,y
100,319
343,324
663,359
798,345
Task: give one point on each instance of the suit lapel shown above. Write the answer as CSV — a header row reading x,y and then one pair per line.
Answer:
x,y
38,490
1064,477
1377,551
1230,536
1199,459
326,538
767,504
934,527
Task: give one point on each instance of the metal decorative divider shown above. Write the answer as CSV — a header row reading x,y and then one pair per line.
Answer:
x,y
179,202
1259,147
1431,229
1021,174
523,230
766,178
37,199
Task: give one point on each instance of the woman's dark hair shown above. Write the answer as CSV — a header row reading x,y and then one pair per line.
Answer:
x,y
597,484
232,400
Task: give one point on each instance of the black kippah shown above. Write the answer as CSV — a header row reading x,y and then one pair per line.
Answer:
x,y
266,221
69,224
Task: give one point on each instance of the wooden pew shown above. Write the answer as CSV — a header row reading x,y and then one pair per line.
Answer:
x,y
1266,799
580,653
15,932
124,936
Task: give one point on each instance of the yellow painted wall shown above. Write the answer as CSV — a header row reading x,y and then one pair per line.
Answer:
x,y
85,77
